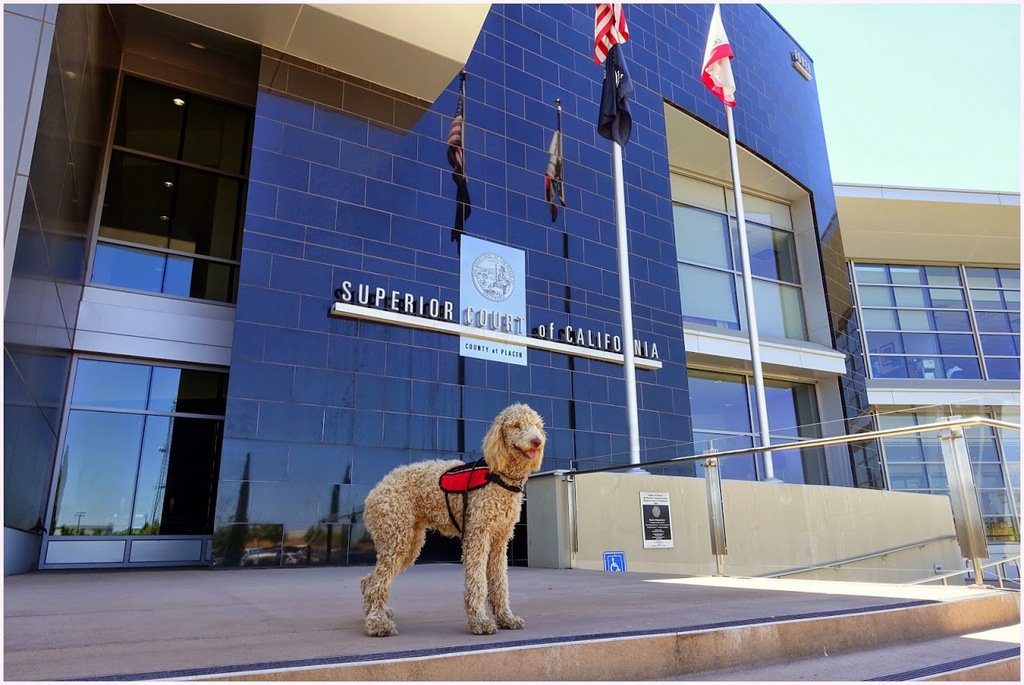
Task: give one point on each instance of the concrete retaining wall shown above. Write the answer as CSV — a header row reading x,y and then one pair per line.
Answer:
x,y
770,527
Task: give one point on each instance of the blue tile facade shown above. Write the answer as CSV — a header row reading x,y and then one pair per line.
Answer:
x,y
348,182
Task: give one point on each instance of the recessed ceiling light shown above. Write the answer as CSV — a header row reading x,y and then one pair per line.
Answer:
x,y
179,102
197,46
164,217
71,74
168,184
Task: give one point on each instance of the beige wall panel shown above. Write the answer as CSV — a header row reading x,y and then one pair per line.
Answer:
x,y
770,528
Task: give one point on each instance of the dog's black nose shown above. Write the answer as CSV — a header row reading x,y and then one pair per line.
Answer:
x,y
535,442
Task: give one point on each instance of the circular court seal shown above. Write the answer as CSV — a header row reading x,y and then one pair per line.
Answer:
x,y
493,277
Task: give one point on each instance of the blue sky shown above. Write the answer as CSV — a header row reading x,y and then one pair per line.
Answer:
x,y
924,94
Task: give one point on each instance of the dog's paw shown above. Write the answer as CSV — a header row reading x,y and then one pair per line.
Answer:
x,y
380,626
483,626
510,621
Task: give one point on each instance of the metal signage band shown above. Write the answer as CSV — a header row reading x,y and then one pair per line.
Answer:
x,y
364,313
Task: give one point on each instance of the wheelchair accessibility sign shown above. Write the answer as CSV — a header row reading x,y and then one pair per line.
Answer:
x,y
615,562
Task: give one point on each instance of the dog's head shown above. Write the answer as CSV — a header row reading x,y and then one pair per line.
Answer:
x,y
514,445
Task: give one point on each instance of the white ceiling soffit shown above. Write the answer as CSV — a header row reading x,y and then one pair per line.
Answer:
x,y
921,225
416,49
695,147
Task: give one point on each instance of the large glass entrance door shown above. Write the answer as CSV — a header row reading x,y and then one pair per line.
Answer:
x,y
139,462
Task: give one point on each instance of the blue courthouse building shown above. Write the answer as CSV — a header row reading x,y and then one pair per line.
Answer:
x,y
233,301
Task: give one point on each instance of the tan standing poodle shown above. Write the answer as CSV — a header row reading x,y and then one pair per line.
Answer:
x,y
409,500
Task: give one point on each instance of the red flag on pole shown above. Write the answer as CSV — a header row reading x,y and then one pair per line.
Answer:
x,y
609,29
716,73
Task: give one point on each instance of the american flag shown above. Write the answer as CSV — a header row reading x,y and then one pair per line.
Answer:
x,y
456,154
609,28
457,160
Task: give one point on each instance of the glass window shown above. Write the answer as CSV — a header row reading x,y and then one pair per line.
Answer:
x,y
171,227
987,299
871,273
950,321
708,297
946,298
702,237
886,342
910,297
1003,369
994,322
943,275
719,401
1006,345
880,319
930,306
1010,278
982,278
876,296
136,472
710,278
780,311
916,464
723,411
96,480
772,253
113,385
950,343
151,117
908,275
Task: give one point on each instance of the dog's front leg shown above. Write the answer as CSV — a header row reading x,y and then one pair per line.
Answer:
x,y
497,586
475,548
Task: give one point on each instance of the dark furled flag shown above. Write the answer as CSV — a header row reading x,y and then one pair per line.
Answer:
x,y
614,121
554,187
609,28
457,160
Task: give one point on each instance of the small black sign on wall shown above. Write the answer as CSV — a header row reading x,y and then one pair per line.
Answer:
x,y
657,520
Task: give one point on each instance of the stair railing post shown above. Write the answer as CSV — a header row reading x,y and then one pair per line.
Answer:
x,y
716,510
963,496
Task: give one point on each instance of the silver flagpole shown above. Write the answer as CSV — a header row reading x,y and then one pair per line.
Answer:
x,y
748,294
628,365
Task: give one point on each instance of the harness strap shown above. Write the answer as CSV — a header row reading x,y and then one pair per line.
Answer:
x,y
490,477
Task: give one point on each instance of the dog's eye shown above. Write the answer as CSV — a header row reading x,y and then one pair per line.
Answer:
x,y
516,425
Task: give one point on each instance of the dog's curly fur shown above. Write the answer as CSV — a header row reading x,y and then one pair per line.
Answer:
x,y
408,501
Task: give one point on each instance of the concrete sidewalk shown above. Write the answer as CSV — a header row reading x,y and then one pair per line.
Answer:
x,y
165,623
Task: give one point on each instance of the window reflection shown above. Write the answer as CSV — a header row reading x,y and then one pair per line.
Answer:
x,y
139,471
724,418
909,310
172,212
96,481
710,285
915,463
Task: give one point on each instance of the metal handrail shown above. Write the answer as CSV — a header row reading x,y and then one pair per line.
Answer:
x,y
966,518
853,560
815,442
953,574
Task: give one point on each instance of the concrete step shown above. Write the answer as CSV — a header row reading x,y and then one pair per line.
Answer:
x,y
307,624
988,655
774,647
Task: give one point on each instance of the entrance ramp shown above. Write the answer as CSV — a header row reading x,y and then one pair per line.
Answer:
x,y
306,624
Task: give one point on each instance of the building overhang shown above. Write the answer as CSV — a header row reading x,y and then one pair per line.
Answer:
x,y
409,48
789,359
926,393
921,225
